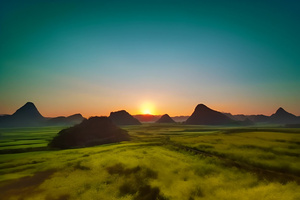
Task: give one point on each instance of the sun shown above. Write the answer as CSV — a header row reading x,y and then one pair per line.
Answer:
x,y
147,108
147,112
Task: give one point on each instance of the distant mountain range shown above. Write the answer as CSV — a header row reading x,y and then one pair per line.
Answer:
x,y
153,118
147,117
281,116
70,120
206,116
29,116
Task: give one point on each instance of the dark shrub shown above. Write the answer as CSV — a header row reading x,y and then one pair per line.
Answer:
x,y
91,132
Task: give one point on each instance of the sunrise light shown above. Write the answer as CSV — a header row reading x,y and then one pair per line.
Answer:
x,y
147,108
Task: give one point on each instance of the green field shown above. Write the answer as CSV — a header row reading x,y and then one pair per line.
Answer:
x,y
160,162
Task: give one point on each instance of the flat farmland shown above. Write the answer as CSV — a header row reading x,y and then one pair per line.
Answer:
x,y
159,162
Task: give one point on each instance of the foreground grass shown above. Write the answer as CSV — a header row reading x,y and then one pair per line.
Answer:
x,y
150,167
270,150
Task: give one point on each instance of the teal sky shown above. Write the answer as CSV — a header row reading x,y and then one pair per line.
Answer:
x,y
94,57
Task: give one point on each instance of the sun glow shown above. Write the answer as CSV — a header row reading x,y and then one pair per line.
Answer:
x,y
147,108
147,112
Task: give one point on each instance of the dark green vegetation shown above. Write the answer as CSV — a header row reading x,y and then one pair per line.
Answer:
x,y
162,161
91,132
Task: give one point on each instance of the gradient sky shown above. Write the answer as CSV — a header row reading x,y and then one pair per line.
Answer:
x,y
95,57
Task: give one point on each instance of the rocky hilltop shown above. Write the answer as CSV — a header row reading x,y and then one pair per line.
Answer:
x,y
26,116
283,117
165,119
203,115
122,118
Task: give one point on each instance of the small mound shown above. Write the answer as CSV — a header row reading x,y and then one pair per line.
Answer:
x,y
165,119
91,132
122,118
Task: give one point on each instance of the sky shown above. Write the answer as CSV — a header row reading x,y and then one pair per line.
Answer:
x,y
94,57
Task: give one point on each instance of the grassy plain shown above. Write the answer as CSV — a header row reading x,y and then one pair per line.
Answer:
x,y
160,162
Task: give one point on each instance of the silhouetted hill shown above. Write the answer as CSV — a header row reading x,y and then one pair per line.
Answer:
x,y
147,117
283,117
206,116
154,118
91,132
76,118
62,121
165,119
29,116
26,116
123,118
229,115
28,111
239,117
253,118
4,119
259,118
248,119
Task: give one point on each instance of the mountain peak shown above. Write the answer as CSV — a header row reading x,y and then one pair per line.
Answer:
x,y
202,107
122,117
283,117
280,110
76,115
28,110
203,115
165,119
29,103
124,112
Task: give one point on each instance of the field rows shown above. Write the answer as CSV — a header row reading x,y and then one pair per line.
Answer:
x,y
160,162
